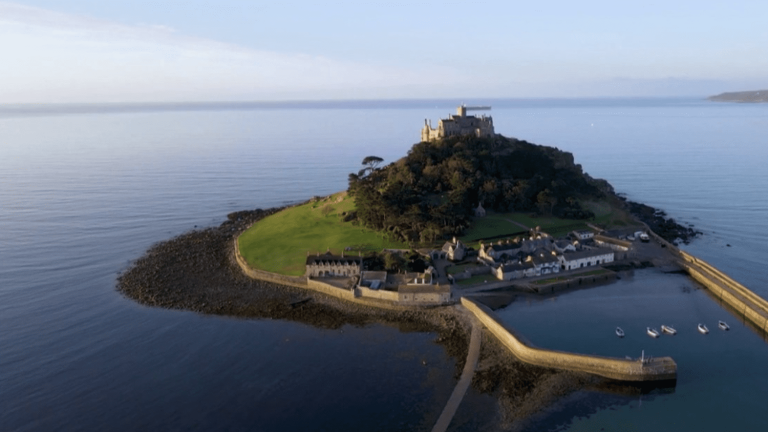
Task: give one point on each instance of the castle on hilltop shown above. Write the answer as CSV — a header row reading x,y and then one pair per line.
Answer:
x,y
459,124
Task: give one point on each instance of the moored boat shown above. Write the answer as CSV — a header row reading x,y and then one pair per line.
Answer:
x,y
703,329
619,332
668,330
652,332
723,325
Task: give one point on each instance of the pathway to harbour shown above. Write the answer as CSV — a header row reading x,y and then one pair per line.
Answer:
x,y
466,378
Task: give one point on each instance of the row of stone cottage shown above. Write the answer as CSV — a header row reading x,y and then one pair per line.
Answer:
x,y
407,288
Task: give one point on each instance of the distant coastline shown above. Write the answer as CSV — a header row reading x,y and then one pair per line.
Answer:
x,y
754,96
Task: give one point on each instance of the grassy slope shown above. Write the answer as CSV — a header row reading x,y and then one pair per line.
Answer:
x,y
279,243
495,224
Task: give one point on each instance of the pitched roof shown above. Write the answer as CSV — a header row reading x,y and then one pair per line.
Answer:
x,y
329,259
586,253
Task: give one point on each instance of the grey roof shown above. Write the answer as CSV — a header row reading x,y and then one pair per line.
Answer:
x,y
586,253
544,258
502,247
516,266
328,258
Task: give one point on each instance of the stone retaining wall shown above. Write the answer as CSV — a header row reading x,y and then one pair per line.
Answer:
x,y
573,282
329,289
751,306
315,285
655,369
379,294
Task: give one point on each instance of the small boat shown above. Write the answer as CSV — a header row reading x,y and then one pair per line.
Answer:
x,y
723,325
703,329
668,330
619,332
652,332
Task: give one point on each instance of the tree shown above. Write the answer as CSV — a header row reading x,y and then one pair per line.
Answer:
x,y
372,163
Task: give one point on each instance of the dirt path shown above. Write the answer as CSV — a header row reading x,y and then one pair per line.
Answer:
x,y
517,223
473,353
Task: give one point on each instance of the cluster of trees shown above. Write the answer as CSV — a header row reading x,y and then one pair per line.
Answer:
x,y
396,262
432,192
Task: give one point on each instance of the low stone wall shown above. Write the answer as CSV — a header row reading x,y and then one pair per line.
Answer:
x,y
319,286
294,281
379,294
655,369
573,282
751,306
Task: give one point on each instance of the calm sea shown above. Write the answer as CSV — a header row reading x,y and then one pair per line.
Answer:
x,y
84,190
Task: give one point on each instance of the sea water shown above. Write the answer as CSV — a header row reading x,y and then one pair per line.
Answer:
x,y
84,190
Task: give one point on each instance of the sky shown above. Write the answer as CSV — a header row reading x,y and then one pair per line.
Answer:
x,y
84,51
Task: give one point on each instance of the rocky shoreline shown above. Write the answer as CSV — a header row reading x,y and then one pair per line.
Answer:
x,y
664,227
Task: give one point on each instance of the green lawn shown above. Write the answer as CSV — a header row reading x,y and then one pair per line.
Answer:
x,y
495,224
279,243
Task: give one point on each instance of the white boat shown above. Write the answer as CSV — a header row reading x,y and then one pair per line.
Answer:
x,y
652,332
723,325
703,329
668,330
619,332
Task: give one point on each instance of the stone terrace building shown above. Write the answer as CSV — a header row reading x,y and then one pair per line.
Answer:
x,y
457,125
586,258
333,265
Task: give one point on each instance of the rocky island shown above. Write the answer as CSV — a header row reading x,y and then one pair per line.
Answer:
x,y
412,242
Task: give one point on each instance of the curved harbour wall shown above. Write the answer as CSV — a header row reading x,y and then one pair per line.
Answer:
x,y
655,369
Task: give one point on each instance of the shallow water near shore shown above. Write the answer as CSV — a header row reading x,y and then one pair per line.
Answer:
x,y
82,194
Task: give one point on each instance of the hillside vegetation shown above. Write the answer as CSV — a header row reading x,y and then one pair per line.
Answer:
x,y
432,192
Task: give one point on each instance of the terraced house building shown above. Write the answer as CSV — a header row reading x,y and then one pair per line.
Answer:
x,y
326,265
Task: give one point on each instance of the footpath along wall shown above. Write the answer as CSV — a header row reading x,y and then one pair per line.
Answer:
x,y
751,306
655,369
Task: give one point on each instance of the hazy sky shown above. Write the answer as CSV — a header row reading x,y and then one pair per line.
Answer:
x,y
225,50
